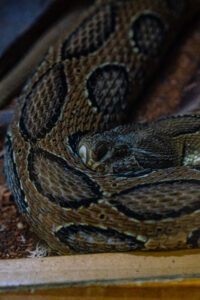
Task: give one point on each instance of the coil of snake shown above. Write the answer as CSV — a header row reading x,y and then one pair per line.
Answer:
x,y
83,187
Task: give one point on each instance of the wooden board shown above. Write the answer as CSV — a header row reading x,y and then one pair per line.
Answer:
x,y
103,276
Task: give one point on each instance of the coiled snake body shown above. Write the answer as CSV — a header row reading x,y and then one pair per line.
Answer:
x,y
134,187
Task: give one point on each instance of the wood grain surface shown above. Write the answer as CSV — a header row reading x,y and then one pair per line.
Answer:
x,y
103,276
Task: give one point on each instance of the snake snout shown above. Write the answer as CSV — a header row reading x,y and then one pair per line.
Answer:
x,y
83,153
93,155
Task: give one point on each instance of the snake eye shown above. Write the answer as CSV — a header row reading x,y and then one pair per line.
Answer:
x,y
121,151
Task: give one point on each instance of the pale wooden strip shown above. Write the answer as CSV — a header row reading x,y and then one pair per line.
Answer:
x,y
103,268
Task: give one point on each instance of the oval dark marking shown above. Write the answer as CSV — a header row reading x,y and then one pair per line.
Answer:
x,y
12,177
91,34
147,34
43,104
60,186
194,239
158,201
177,7
108,88
89,239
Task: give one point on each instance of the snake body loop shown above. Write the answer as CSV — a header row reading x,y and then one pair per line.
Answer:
x,y
134,187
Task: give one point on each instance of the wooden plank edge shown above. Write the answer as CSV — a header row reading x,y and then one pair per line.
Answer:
x,y
99,269
173,291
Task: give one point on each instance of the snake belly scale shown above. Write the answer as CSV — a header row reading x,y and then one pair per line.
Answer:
x,y
87,83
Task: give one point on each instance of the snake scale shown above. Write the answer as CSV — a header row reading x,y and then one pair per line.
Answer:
x,y
85,180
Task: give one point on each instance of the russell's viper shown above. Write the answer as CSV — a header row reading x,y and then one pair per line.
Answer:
x,y
85,181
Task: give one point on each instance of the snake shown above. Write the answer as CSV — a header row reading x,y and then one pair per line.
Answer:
x,y
86,179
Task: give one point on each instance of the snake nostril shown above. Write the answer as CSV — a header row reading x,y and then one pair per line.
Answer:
x,y
100,151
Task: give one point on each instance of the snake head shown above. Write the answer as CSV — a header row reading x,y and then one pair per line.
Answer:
x,y
109,151
123,149
106,153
